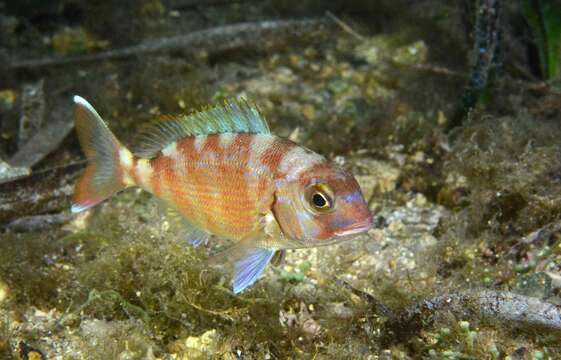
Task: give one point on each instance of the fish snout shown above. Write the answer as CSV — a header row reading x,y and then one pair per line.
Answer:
x,y
357,227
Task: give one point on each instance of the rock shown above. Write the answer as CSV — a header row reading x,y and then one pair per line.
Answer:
x,y
201,347
9,173
3,291
376,176
381,49
341,310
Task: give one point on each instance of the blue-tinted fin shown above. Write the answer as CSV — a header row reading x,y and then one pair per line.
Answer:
x,y
235,116
197,237
249,267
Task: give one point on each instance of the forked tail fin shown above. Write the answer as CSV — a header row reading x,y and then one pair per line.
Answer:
x,y
107,159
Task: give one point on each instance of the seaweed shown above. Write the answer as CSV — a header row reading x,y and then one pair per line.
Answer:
x,y
485,52
543,18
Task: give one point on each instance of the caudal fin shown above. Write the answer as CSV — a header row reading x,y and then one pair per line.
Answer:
x,y
104,174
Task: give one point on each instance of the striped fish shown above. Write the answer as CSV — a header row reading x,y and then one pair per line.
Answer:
x,y
224,172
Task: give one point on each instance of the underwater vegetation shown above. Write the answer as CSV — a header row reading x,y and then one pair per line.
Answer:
x,y
543,18
463,260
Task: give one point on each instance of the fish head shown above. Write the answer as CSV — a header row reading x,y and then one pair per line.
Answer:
x,y
321,206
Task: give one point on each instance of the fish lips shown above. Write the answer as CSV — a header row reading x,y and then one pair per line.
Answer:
x,y
356,228
346,234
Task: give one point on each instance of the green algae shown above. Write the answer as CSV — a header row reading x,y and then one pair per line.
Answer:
x,y
542,17
510,164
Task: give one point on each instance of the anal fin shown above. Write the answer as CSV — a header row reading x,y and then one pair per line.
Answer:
x,y
250,266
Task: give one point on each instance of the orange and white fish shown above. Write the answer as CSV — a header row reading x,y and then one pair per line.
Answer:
x,y
228,176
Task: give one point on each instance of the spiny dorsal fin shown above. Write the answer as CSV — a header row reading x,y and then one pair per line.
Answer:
x,y
235,116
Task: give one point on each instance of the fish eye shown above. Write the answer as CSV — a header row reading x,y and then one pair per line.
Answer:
x,y
320,198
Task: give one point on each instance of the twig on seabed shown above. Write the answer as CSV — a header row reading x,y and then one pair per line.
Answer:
x,y
370,299
344,26
43,192
508,308
437,70
36,223
214,40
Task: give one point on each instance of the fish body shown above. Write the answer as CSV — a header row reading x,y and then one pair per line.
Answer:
x,y
222,183
227,175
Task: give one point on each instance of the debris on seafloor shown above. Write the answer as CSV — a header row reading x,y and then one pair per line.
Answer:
x,y
300,321
58,124
125,339
378,306
47,190
196,347
408,56
543,234
380,51
487,37
38,134
10,173
75,40
43,192
34,223
27,352
538,285
32,111
3,291
215,40
522,312
344,26
7,99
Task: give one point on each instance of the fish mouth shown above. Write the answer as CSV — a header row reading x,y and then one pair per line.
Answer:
x,y
340,236
356,228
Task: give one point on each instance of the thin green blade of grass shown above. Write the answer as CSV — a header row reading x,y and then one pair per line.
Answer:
x,y
544,19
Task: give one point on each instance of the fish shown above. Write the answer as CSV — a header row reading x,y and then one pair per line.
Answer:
x,y
224,172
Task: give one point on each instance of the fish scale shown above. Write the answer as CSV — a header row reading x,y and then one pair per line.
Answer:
x,y
218,195
226,175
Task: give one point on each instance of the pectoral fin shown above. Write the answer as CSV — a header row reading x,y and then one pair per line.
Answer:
x,y
197,237
250,266
192,234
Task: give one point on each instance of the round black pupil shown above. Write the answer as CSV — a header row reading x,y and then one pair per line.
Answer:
x,y
319,200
